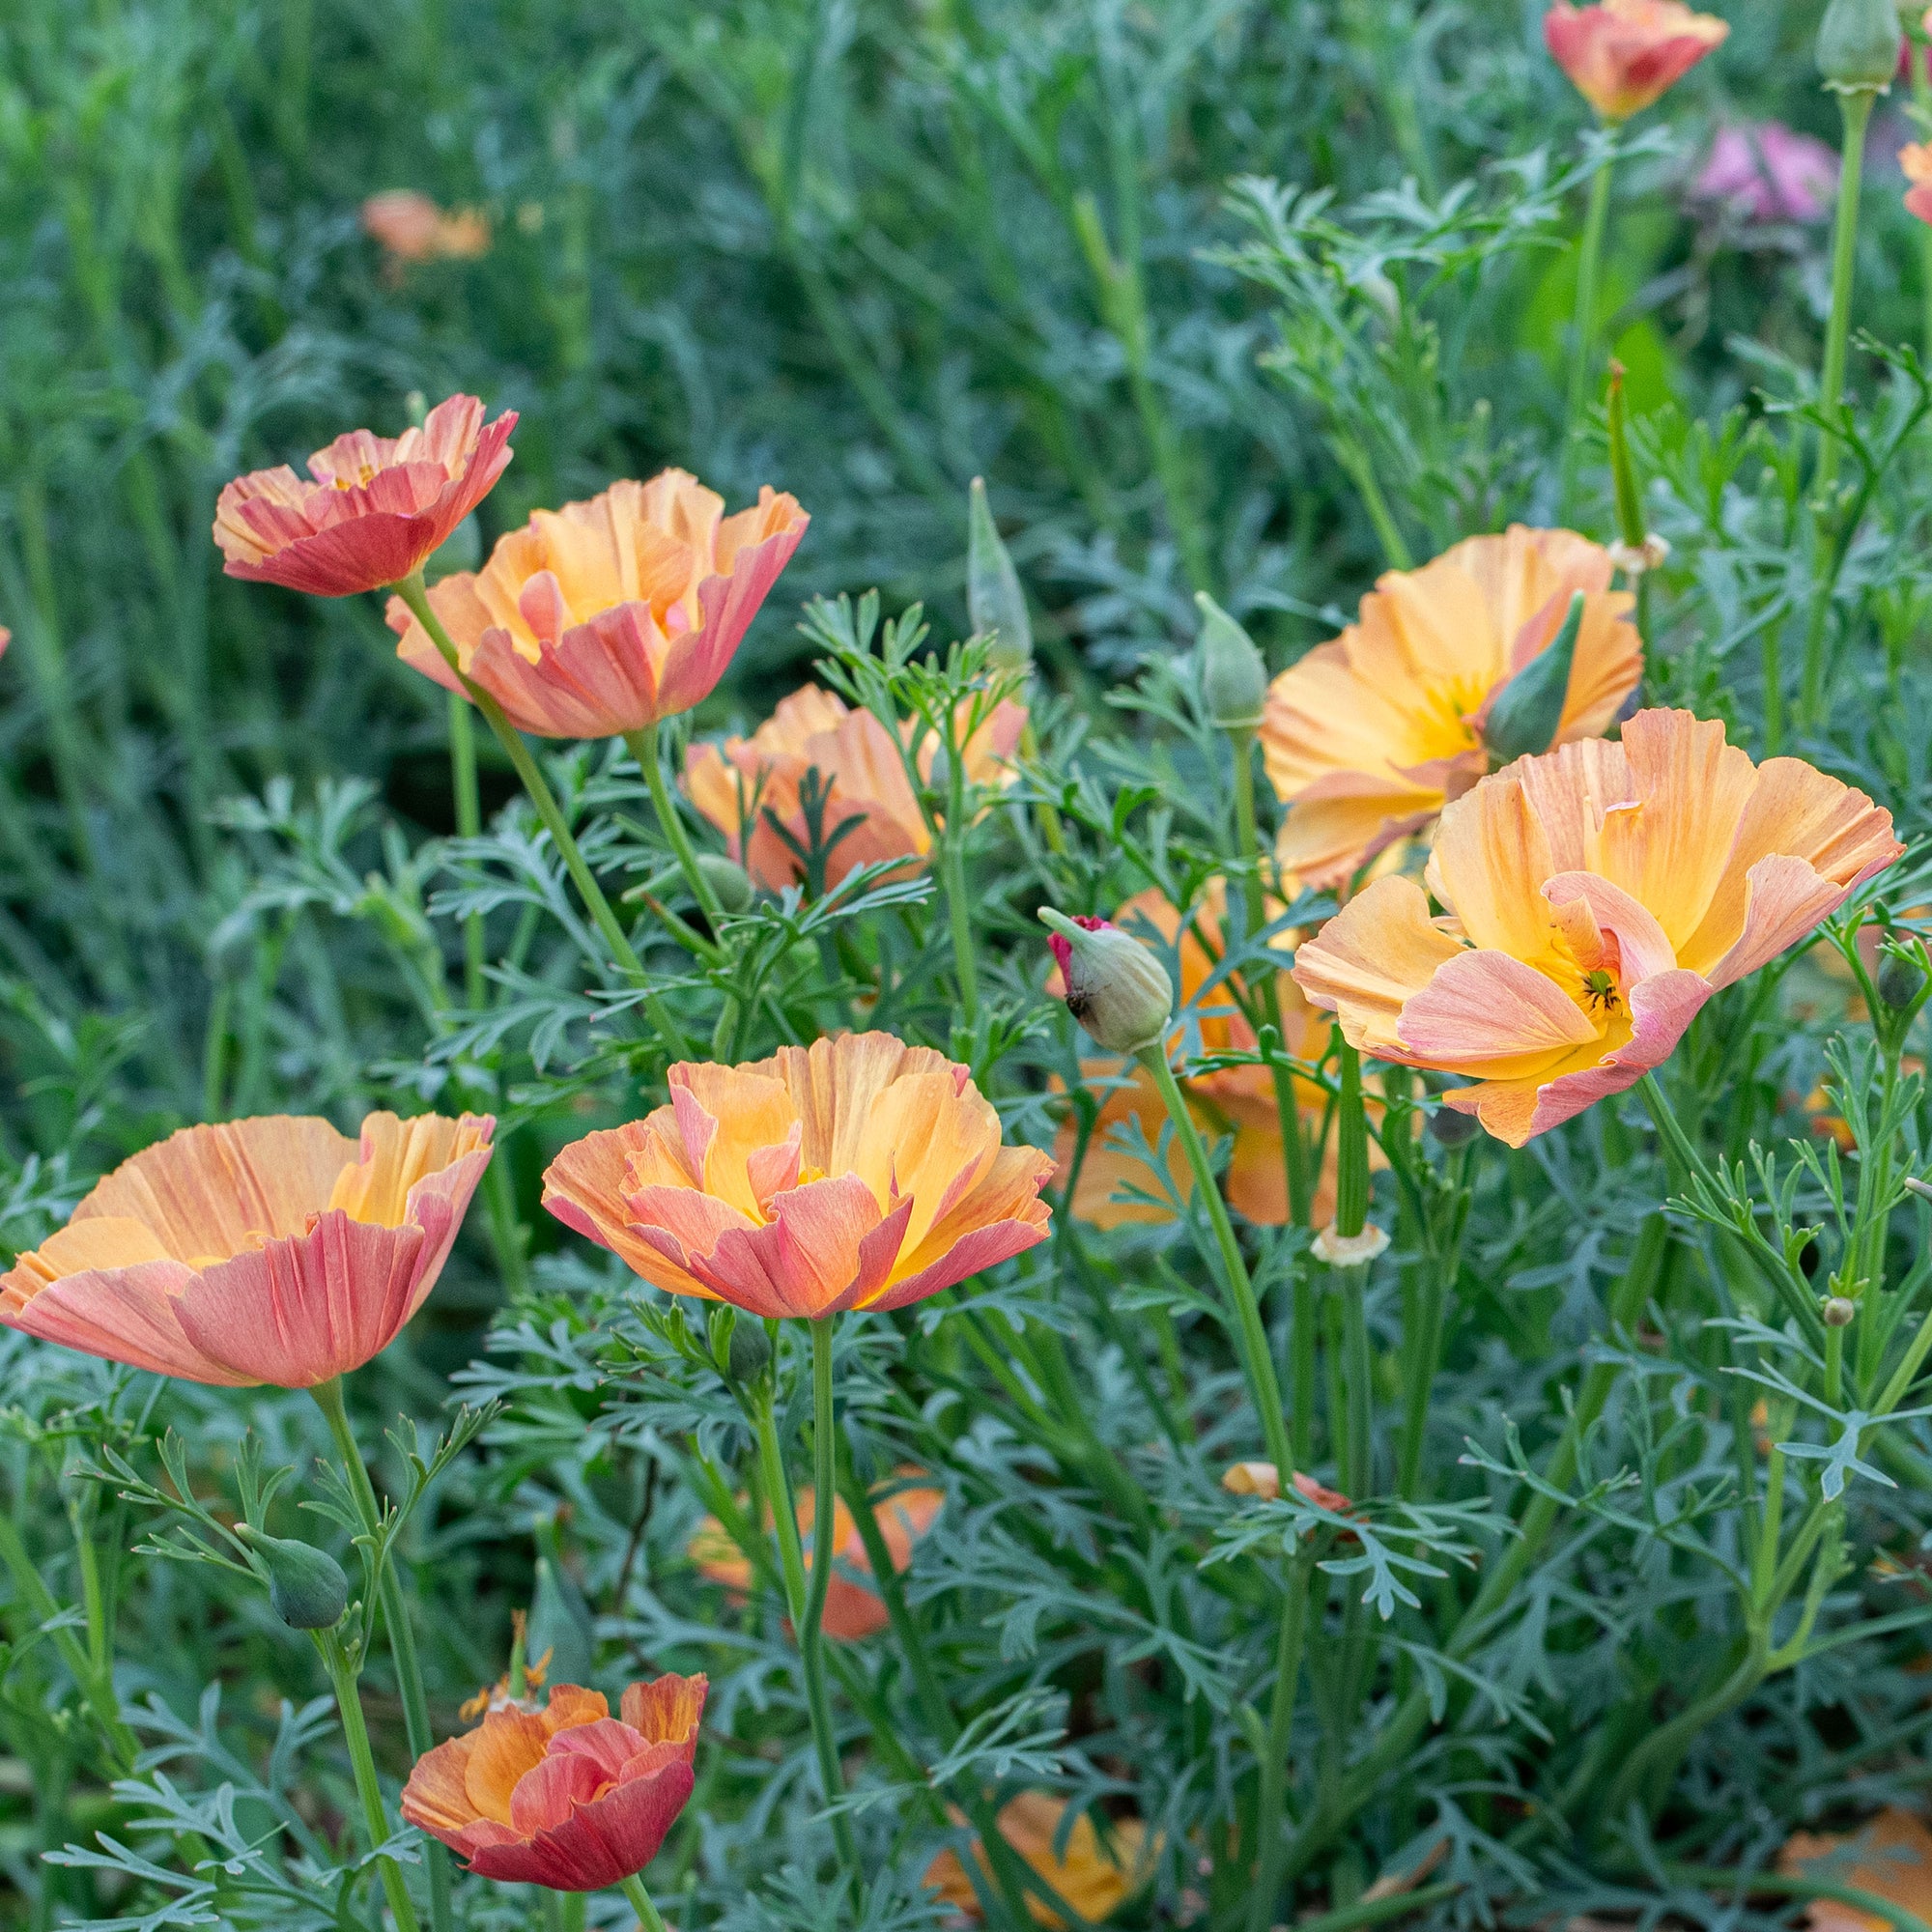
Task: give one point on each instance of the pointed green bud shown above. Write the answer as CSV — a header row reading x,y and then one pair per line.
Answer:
x,y
1115,987
995,602
1899,979
1622,469
1858,45
307,1588
1233,674
728,879
1525,714
1838,1312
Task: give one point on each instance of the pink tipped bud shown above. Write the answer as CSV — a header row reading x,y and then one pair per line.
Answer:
x,y
1115,986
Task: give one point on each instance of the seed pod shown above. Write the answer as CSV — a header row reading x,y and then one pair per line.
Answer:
x,y
306,1586
1528,712
1837,1310
1899,979
1858,45
995,602
1234,675
1115,987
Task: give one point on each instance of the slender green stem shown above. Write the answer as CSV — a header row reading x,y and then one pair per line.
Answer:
x,y
1271,1800
1918,51
1785,1885
633,1888
362,1760
1251,1337
396,1620
805,1598
953,865
410,590
1583,334
1855,110
468,825
643,747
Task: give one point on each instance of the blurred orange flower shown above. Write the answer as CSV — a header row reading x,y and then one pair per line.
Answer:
x,y
868,810
566,1797
1093,1878
1237,1100
1892,1858
605,616
1367,737
855,1173
1596,897
1622,54
272,1250
413,228
1264,1479
378,508
1916,159
852,1610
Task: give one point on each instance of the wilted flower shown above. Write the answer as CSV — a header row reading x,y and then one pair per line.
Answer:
x,y
855,1173
413,228
1622,54
605,616
272,1250
1237,1100
1596,897
862,801
1914,158
1264,1479
1366,737
905,1513
1769,172
567,1797
1092,1877
378,508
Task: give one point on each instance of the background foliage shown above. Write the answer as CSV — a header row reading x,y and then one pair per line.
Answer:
x,y
1217,293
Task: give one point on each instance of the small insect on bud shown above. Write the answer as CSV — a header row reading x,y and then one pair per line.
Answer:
x,y
1858,45
1234,675
1837,1312
306,1586
1115,987
1899,979
728,881
1451,1129
995,602
1525,715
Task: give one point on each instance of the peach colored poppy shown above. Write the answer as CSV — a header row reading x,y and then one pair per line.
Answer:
x,y
869,813
855,1173
1237,1101
1368,736
413,228
6,638
1595,899
1622,54
1914,158
852,1609
567,1797
1891,1856
378,508
1094,1878
605,616
270,1250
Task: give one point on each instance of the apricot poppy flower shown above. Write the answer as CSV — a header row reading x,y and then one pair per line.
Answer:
x,y
270,1250
1595,899
567,1797
869,813
1367,737
609,615
1914,158
1622,54
413,228
1237,1101
1094,1878
855,1173
852,1610
378,507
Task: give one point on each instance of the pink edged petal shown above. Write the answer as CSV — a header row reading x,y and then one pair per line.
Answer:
x,y
125,1315
726,606
369,552
680,1223
585,1187
1516,1110
1373,957
1484,1010
601,1844
1641,945
437,1205
813,1255
547,1794
666,1710
982,1248
300,1311
607,1745
1784,898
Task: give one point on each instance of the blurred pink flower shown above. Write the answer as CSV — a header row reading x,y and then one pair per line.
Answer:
x,y
1769,173
1916,159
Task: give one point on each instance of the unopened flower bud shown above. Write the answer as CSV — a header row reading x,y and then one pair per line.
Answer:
x,y
1858,45
306,1586
1899,979
1451,1129
1234,675
729,882
750,1353
995,602
1525,715
1115,987
1837,1310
